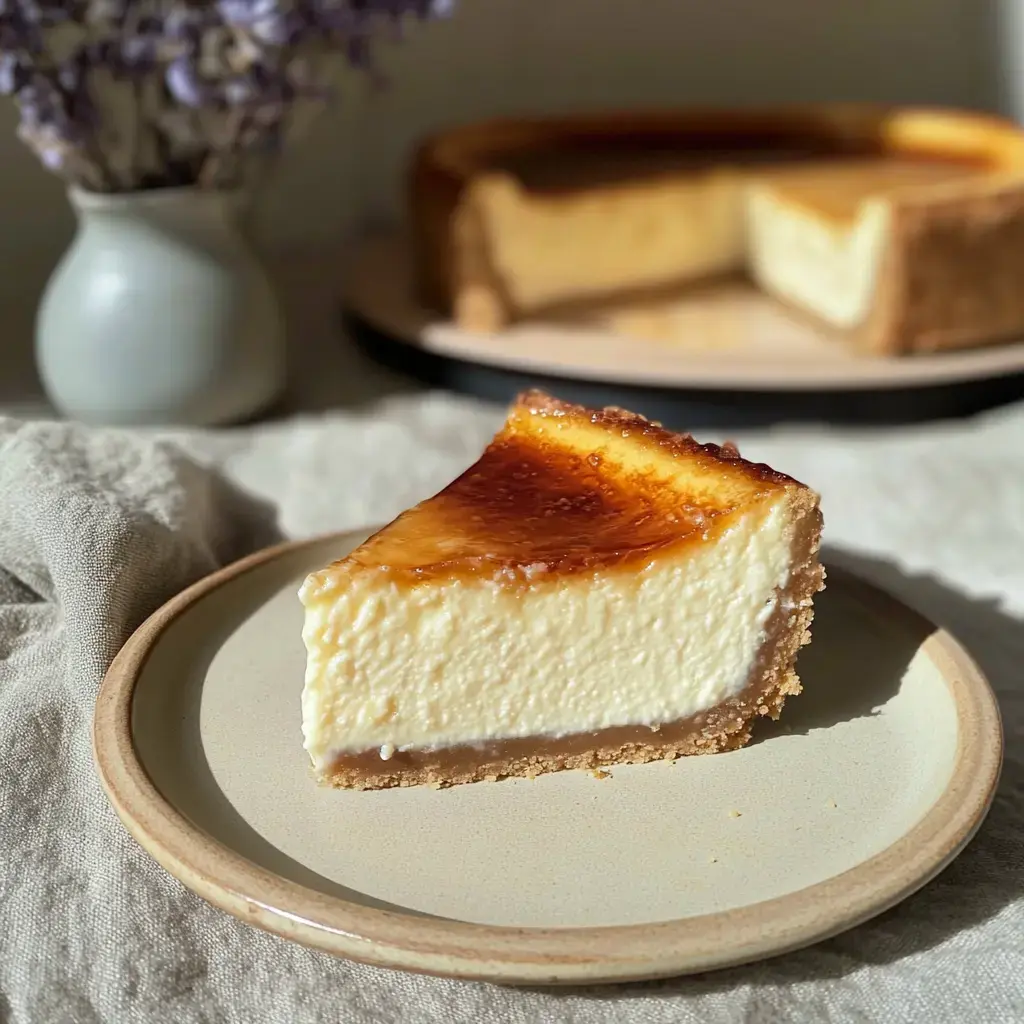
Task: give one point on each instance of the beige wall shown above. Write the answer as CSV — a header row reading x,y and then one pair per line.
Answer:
x,y
504,56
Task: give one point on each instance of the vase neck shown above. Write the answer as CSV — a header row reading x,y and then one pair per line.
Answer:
x,y
196,219
181,209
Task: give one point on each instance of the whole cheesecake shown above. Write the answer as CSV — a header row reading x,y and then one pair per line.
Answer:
x,y
902,229
594,590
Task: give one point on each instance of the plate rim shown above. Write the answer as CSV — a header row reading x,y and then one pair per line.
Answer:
x,y
693,371
544,956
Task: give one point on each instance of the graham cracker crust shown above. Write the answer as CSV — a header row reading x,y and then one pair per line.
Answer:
x,y
726,726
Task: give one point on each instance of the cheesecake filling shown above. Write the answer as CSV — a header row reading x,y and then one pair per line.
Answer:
x,y
829,269
394,666
669,234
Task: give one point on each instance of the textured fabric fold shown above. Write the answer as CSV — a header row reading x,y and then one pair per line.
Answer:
x,y
96,530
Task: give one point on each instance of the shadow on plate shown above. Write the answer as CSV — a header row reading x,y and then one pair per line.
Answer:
x,y
841,684
986,878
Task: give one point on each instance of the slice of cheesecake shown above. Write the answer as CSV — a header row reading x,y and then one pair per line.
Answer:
x,y
594,590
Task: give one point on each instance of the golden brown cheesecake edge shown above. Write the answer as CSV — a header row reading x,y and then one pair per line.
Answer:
x,y
529,508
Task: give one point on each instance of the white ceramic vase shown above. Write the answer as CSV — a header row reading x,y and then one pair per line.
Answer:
x,y
159,313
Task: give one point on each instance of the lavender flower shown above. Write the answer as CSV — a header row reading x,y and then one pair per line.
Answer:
x,y
265,20
14,73
185,84
123,94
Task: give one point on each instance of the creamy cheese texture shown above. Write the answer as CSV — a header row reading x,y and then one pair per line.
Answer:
x,y
672,232
393,666
827,267
687,230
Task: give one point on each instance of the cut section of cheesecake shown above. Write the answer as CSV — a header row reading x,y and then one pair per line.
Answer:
x,y
818,234
594,590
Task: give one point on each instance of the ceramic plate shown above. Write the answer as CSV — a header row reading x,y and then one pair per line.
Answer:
x,y
875,778
724,336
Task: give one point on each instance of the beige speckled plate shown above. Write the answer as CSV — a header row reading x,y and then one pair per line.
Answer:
x,y
726,335
875,779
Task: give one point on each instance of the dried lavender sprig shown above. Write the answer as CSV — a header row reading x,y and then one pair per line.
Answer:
x,y
130,91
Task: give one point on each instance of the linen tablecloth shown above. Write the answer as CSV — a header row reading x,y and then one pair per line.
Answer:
x,y
97,527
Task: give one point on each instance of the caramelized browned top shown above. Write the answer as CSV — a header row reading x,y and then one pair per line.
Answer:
x,y
567,168
562,489
769,134
836,188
